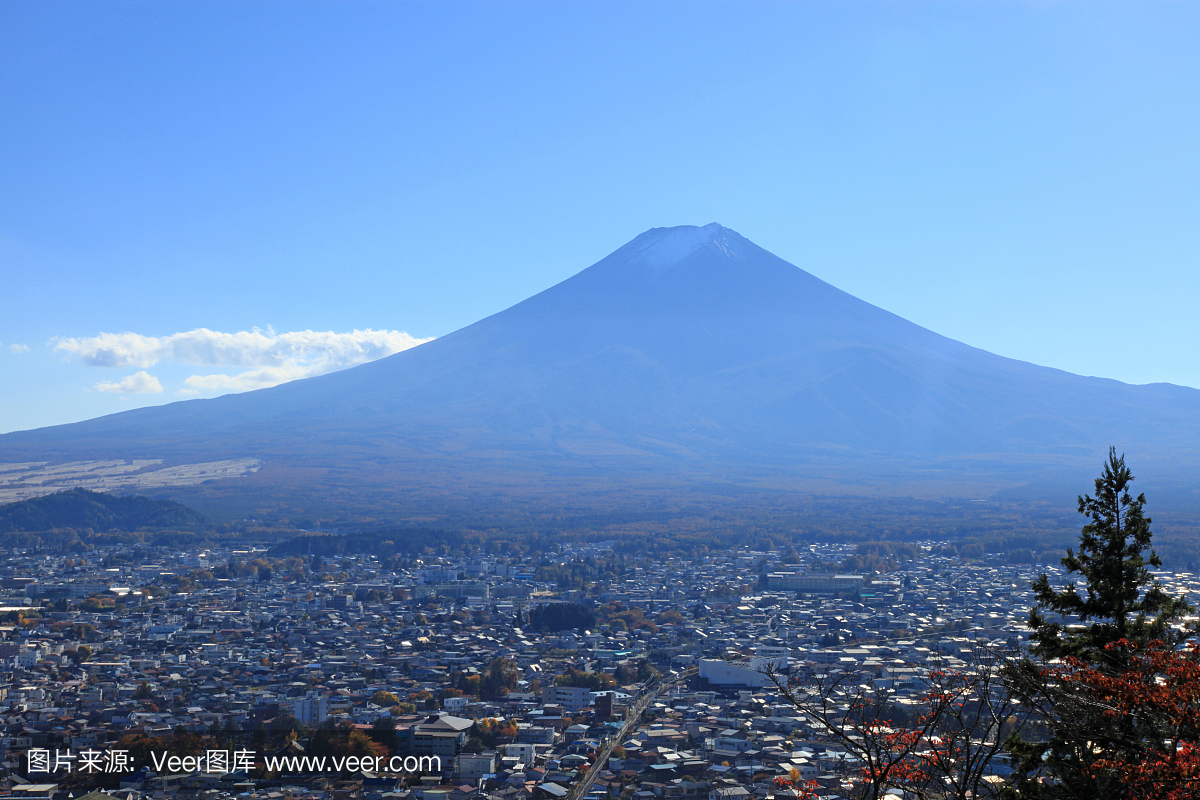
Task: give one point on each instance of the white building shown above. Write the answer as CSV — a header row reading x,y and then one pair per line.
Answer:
x,y
29,656
312,709
521,750
470,767
571,698
751,674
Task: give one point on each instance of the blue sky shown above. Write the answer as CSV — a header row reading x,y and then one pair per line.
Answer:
x,y
201,197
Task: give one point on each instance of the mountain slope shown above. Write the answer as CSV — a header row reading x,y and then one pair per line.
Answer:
x,y
689,345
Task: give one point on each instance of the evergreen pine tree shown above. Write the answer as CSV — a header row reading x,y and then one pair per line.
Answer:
x,y
1120,599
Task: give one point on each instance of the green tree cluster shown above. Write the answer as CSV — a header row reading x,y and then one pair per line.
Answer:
x,y
501,676
595,681
562,617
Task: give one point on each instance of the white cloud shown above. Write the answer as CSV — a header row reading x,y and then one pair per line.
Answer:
x,y
273,357
114,349
251,379
138,383
18,349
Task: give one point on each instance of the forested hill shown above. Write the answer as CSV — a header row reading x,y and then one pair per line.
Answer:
x,y
81,508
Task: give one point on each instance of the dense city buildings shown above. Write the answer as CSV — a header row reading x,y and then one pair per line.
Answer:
x,y
147,672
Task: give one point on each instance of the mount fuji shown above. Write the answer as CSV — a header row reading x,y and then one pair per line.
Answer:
x,y
688,351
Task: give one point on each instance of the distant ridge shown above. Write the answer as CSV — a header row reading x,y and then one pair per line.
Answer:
x,y
82,508
689,353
